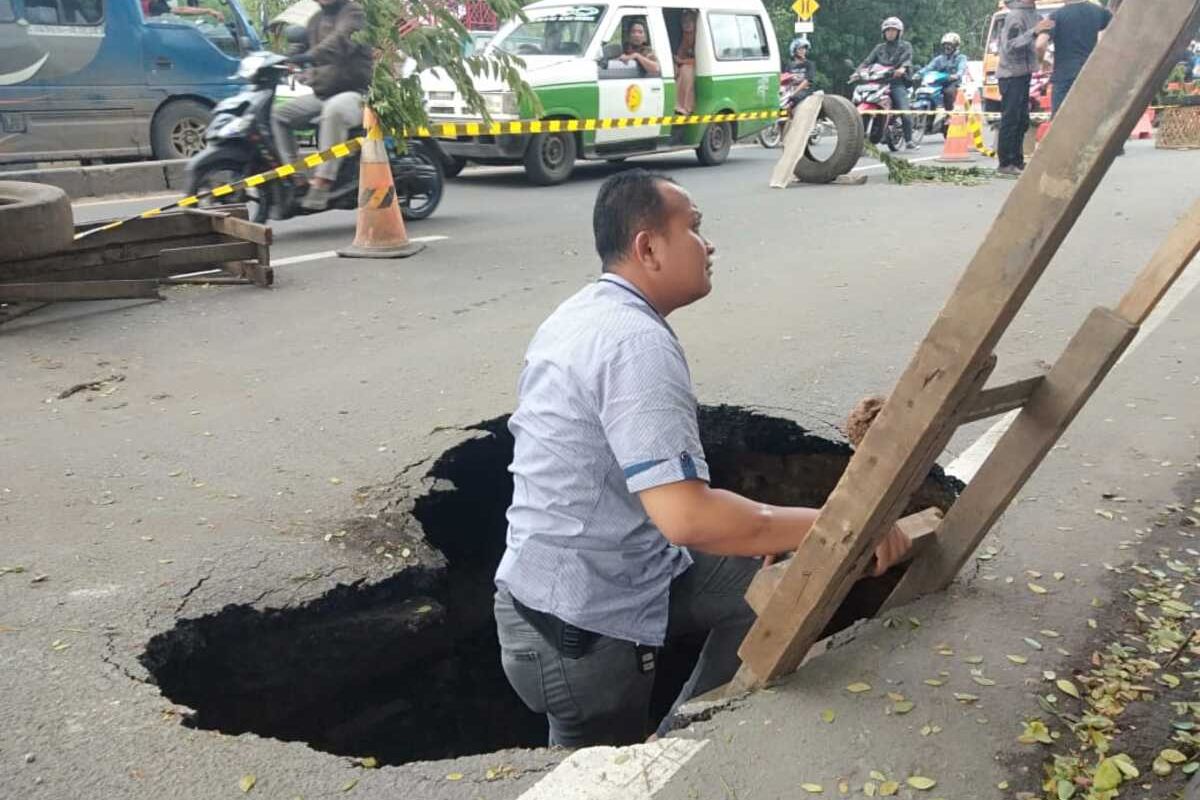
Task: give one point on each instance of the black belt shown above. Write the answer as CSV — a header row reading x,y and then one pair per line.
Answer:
x,y
567,639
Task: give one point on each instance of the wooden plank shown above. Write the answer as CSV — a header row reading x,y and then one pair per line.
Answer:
x,y
1000,399
177,257
214,279
1119,80
1088,357
920,527
55,291
241,229
84,264
1167,264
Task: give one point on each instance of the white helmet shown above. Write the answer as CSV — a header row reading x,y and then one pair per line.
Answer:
x,y
894,23
952,39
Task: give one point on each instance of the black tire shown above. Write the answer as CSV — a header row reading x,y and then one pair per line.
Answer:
x,y
454,165
845,119
893,136
550,158
715,144
771,136
257,201
420,204
921,126
874,128
178,129
37,218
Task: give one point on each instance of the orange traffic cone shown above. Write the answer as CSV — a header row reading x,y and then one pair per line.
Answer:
x,y
1145,126
379,231
958,135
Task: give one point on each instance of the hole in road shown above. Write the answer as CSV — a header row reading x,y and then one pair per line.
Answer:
x,y
407,669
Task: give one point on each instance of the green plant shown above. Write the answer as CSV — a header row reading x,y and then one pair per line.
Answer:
x,y
396,96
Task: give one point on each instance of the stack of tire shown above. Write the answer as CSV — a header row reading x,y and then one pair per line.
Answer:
x,y
39,219
844,117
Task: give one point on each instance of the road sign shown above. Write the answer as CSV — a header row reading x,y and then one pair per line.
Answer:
x,y
803,27
805,8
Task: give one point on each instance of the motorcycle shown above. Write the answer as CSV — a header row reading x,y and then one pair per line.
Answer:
x,y
239,142
874,93
929,97
790,95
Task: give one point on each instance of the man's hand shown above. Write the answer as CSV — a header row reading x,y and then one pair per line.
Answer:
x,y
1044,25
899,72
891,551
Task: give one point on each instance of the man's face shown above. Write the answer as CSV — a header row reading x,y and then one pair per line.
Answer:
x,y
890,34
328,3
684,256
947,48
637,35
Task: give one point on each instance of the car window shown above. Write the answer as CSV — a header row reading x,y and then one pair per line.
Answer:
x,y
563,31
57,12
619,42
212,18
738,37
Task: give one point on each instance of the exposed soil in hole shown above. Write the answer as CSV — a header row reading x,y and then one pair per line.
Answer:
x,y
407,669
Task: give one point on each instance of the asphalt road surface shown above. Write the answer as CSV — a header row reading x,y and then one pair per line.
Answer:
x,y
238,427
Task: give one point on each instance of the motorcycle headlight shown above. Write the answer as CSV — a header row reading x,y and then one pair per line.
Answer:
x,y
500,103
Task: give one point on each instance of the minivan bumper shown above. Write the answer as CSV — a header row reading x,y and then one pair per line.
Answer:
x,y
503,146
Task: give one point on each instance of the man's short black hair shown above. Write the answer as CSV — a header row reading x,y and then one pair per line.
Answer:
x,y
628,202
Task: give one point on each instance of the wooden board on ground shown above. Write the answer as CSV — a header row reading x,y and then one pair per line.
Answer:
x,y
942,380
795,139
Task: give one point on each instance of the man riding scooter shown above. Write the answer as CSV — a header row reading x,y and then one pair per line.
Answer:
x,y
803,73
953,63
339,73
897,54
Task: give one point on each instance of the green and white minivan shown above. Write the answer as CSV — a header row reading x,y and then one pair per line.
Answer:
x,y
571,55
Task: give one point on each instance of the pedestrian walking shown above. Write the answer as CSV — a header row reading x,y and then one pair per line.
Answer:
x,y
1018,62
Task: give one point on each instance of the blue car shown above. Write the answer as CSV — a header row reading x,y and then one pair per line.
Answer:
x,y
115,79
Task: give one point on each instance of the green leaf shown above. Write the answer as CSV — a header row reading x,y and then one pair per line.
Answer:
x,y
858,688
922,783
1161,767
1107,777
889,788
1172,756
903,707
1017,659
1034,643
812,788
828,715
1066,687
349,785
1065,789
247,783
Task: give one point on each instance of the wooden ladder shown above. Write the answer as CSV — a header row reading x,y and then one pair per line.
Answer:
x,y
943,386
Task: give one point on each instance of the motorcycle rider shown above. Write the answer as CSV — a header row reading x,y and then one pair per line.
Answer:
x,y
804,71
339,73
953,63
896,53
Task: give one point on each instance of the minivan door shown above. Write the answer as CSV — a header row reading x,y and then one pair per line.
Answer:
x,y
627,89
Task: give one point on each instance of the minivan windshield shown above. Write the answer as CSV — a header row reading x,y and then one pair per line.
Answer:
x,y
563,31
215,20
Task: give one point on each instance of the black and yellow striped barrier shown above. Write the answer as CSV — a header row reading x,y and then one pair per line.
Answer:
x,y
446,130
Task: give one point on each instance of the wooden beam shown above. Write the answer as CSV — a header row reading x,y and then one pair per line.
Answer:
x,y
920,527
1088,357
177,257
1000,399
135,259
1118,82
1167,264
55,291
241,229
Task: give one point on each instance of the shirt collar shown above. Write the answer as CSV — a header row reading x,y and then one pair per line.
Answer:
x,y
628,286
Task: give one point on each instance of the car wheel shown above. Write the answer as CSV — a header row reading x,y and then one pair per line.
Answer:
x,y
715,144
178,129
550,158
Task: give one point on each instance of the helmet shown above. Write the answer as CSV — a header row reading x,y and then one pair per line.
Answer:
x,y
797,43
895,23
952,39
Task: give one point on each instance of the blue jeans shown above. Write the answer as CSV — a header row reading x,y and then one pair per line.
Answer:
x,y
603,698
900,103
1059,88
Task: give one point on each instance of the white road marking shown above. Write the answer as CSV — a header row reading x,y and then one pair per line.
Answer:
x,y
132,199
283,262
616,773
880,165
968,462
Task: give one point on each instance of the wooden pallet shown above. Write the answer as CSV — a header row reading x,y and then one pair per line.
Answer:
x,y
135,259
943,386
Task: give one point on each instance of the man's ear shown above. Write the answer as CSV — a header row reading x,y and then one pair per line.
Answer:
x,y
643,249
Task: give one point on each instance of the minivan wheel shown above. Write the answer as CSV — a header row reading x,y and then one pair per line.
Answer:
x,y
550,158
455,165
715,144
178,129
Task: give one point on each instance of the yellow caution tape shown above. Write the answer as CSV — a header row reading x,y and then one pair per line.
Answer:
x,y
445,130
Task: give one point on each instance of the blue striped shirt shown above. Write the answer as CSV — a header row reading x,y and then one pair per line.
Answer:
x,y
605,410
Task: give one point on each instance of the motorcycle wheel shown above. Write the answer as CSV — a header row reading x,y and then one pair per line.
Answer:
x,y
893,137
771,136
257,200
921,126
419,198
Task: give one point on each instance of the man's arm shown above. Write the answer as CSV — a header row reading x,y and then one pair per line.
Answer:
x,y
692,514
338,46
649,64
872,58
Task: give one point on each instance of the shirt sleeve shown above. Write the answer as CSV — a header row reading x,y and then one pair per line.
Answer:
x,y
648,412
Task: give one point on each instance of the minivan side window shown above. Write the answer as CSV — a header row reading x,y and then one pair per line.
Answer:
x,y
58,12
738,37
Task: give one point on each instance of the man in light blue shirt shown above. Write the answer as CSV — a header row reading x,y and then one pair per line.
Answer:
x,y
615,539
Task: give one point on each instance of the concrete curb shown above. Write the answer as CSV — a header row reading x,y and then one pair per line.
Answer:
x,y
108,179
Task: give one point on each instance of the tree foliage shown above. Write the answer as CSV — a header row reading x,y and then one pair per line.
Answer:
x,y
848,29
437,43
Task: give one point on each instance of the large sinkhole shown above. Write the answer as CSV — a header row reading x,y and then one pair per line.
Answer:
x,y
407,669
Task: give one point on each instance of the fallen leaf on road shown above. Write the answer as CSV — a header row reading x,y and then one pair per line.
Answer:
x,y
1017,659
335,481
350,784
1107,776
869,789
982,681
1172,756
1049,633
1066,687
889,788
1035,731
933,682
963,697
903,707
828,715
458,776
858,688
974,659
1036,589
921,782
1058,576
370,762
247,783
1034,643
812,788
877,775
1103,513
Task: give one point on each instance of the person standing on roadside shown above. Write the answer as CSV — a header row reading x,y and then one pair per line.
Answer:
x,y
1018,62
1075,29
